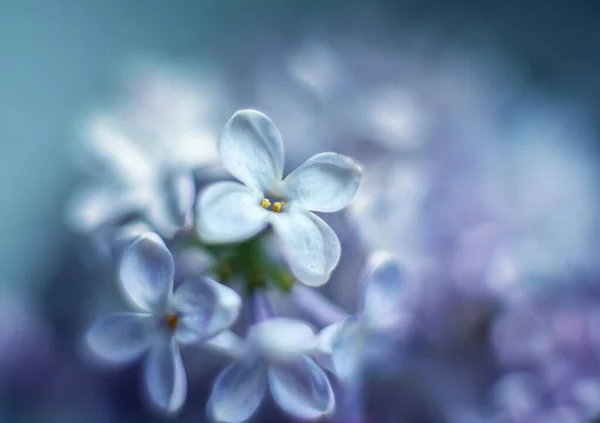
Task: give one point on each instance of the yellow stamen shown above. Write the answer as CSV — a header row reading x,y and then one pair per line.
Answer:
x,y
265,203
278,206
172,321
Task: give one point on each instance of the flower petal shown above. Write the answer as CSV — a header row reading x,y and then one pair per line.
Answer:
x,y
171,203
238,391
301,388
227,343
281,339
165,377
121,337
147,272
385,293
326,338
205,308
107,146
251,150
347,351
310,246
229,212
95,206
326,182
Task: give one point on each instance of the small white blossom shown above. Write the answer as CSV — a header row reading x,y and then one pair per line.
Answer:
x,y
251,149
198,310
275,355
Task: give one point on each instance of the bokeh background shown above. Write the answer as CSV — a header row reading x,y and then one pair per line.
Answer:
x,y
477,122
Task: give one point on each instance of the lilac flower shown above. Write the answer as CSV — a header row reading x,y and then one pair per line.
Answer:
x,y
252,150
385,314
197,311
142,154
276,355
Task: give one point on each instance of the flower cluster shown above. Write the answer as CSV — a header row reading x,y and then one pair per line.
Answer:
x,y
477,193
188,288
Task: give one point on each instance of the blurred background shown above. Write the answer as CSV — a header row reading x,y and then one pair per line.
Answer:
x,y
477,122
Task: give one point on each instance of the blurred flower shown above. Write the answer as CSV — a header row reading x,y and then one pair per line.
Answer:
x,y
142,153
252,150
276,355
198,310
383,320
548,342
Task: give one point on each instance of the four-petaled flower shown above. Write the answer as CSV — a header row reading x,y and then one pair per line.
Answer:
x,y
275,354
141,156
251,149
198,310
385,315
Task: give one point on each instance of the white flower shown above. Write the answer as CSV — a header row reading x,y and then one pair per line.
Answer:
x,y
276,355
141,155
251,150
384,314
197,311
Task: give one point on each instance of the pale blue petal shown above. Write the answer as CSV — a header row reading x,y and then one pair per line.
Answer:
x,y
172,201
309,245
121,337
326,182
324,352
227,343
238,391
385,293
113,153
94,206
147,272
165,377
205,308
281,339
301,388
229,212
251,150
347,350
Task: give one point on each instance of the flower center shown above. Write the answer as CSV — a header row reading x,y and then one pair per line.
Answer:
x,y
172,321
277,205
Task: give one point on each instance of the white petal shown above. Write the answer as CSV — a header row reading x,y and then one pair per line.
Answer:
x,y
127,233
325,182
229,212
121,337
171,203
310,246
326,339
281,339
251,150
205,308
194,148
347,352
301,389
227,343
114,151
147,272
384,293
95,206
165,377
238,391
